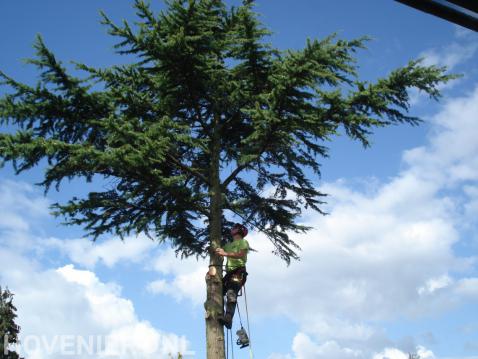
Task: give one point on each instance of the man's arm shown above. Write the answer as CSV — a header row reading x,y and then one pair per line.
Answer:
x,y
241,254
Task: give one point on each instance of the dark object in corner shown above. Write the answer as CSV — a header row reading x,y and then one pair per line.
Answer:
x,y
460,12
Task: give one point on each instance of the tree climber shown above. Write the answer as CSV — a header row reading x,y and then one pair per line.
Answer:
x,y
236,253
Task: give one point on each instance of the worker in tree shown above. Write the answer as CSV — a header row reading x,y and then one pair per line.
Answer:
x,y
235,277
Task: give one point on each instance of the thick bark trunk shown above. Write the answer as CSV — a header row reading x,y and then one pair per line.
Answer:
x,y
214,303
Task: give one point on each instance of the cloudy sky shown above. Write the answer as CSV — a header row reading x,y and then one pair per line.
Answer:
x,y
392,269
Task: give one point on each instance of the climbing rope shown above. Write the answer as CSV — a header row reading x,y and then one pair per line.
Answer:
x,y
239,314
227,343
229,334
251,355
232,344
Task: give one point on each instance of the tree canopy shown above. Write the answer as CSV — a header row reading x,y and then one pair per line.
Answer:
x,y
205,93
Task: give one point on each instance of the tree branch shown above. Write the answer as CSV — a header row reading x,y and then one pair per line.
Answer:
x,y
234,173
190,170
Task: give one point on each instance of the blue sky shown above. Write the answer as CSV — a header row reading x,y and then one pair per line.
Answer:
x,y
391,270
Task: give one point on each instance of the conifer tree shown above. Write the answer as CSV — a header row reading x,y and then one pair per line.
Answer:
x,y
9,330
208,125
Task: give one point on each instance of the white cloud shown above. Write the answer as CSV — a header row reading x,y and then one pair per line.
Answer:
x,y
467,287
61,308
181,279
450,157
67,302
451,55
471,207
434,284
393,353
304,348
108,308
462,51
20,214
108,252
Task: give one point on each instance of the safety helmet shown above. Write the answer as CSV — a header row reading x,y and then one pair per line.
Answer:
x,y
239,229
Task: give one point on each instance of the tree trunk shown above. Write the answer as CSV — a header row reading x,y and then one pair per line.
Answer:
x,y
214,304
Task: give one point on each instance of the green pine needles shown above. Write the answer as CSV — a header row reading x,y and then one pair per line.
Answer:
x,y
9,330
209,123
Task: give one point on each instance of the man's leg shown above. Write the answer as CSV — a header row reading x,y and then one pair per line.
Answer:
x,y
231,302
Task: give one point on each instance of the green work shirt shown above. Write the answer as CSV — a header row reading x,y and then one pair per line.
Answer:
x,y
235,247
